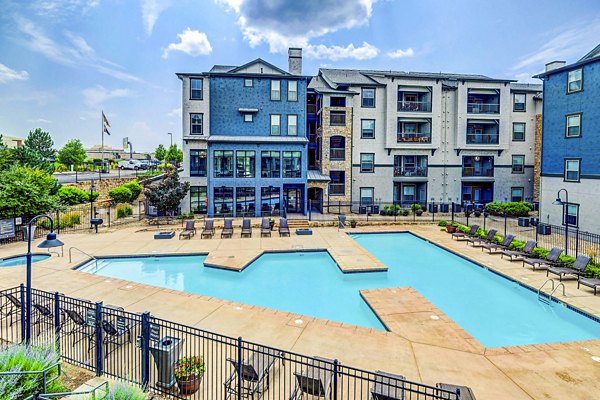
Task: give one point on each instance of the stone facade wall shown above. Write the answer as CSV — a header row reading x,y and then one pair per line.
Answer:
x,y
537,161
328,165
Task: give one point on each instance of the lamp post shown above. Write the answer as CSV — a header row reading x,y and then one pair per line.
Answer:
x,y
92,190
171,134
51,241
565,215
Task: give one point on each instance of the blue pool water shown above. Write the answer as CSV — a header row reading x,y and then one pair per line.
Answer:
x,y
494,310
22,260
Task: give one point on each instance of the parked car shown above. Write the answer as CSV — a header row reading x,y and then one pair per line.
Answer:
x,y
130,164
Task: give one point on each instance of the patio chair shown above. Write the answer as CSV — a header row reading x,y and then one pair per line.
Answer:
x,y
209,229
80,327
579,266
254,373
42,314
265,228
227,231
478,242
11,309
520,255
314,380
284,229
495,247
246,228
464,392
541,263
189,231
593,283
388,387
464,236
115,331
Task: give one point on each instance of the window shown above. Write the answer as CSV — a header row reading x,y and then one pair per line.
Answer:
x,y
248,117
245,162
248,82
518,164
519,101
223,163
198,163
337,186
245,201
571,214
292,164
575,81
408,193
270,164
368,97
367,162
292,125
198,199
275,90
337,148
516,194
292,91
275,125
573,125
478,166
269,201
195,89
196,124
223,201
518,134
366,196
572,168
337,118
367,129
335,101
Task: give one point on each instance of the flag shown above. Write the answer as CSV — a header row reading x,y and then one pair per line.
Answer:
x,y
105,124
106,130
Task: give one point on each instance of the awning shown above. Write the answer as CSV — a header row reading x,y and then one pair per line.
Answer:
x,y
316,176
421,120
248,110
483,91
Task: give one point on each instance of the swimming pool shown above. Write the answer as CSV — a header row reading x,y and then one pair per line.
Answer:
x,y
494,310
22,260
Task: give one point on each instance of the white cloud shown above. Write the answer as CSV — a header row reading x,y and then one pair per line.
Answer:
x,y
335,53
399,53
192,42
151,10
39,121
175,113
98,95
8,74
62,8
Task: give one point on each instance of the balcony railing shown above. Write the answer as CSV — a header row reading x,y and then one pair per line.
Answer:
x,y
483,108
414,106
482,138
478,171
337,154
410,171
338,189
424,137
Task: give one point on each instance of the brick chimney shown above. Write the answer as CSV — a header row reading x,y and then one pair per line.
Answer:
x,y
295,60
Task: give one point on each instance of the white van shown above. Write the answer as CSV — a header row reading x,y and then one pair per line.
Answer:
x,y
130,164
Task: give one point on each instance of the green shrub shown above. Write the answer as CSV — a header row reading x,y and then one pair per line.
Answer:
x,y
405,212
415,207
71,219
120,194
135,189
512,209
120,391
442,223
124,210
72,195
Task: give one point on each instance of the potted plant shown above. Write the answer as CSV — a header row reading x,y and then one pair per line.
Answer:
x,y
417,209
188,372
271,223
353,223
477,213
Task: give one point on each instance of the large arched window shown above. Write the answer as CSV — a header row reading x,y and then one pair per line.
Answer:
x,y
337,148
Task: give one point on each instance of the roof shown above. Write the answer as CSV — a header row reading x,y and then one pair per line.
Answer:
x,y
348,77
319,84
258,139
595,53
592,56
317,176
526,87
222,68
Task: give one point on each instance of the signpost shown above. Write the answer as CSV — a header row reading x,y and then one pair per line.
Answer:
x,y
7,228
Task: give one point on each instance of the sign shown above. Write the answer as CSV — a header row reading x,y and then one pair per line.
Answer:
x,y
121,324
90,317
7,228
125,143
154,332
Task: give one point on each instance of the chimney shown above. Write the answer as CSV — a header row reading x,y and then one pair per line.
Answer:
x,y
554,65
295,60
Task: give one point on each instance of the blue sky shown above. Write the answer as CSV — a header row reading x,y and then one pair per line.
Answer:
x,y
63,61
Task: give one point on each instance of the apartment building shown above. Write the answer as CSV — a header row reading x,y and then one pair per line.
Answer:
x,y
571,123
244,139
407,137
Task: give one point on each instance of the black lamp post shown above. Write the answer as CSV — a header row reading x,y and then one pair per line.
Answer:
x,y
559,202
170,134
92,190
51,241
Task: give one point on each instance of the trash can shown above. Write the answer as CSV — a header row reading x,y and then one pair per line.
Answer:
x,y
456,207
524,221
25,229
444,208
433,208
165,353
342,221
534,221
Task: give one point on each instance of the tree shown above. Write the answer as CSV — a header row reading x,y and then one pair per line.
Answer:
x,y
166,195
27,191
41,142
72,153
27,157
174,155
160,152
5,155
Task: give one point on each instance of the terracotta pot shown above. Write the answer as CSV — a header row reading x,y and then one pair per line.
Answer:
x,y
189,384
450,228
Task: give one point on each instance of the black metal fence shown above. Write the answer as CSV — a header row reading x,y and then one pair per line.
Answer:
x,y
145,350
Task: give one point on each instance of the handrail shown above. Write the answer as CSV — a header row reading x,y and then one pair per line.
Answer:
x,y
83,252
92,392
559,285
44,372
544,284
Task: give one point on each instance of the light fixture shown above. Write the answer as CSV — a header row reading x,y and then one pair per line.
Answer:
x,y
50,242
558,202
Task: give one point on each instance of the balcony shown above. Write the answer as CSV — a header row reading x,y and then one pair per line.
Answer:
x,y
483,108
483,171
414,106
337,189
410,172
483,138
414,137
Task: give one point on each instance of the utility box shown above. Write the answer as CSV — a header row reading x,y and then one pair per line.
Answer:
x,y
544,229
165,353
523,221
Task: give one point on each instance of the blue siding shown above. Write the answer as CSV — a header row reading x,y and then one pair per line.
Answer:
x,y
557,104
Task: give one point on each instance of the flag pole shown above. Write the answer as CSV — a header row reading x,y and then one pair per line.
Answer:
x,y
102,125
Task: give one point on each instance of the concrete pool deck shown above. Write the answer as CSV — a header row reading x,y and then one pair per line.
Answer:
x,y
417,346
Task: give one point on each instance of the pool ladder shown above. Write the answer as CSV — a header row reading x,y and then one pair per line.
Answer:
x,y
548,298
82,252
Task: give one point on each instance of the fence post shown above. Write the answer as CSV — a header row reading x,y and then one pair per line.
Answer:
x,y
23,314
467,213
108,213
336,365
577,242
433,211
452,205
239,368
505,220
58,221
145,349
99,344
309,209
57,320
139,210
484,219
76,181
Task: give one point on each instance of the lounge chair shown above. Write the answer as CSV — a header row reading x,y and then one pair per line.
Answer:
x,y
246,228
189,231
284,229
314,380
80,329
495,247
464,392
115,332
579,266
43,315
265,228
478,242
227,231
520,255
11,309
540,263
209,229
254,373
464,236
388,387
593,283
